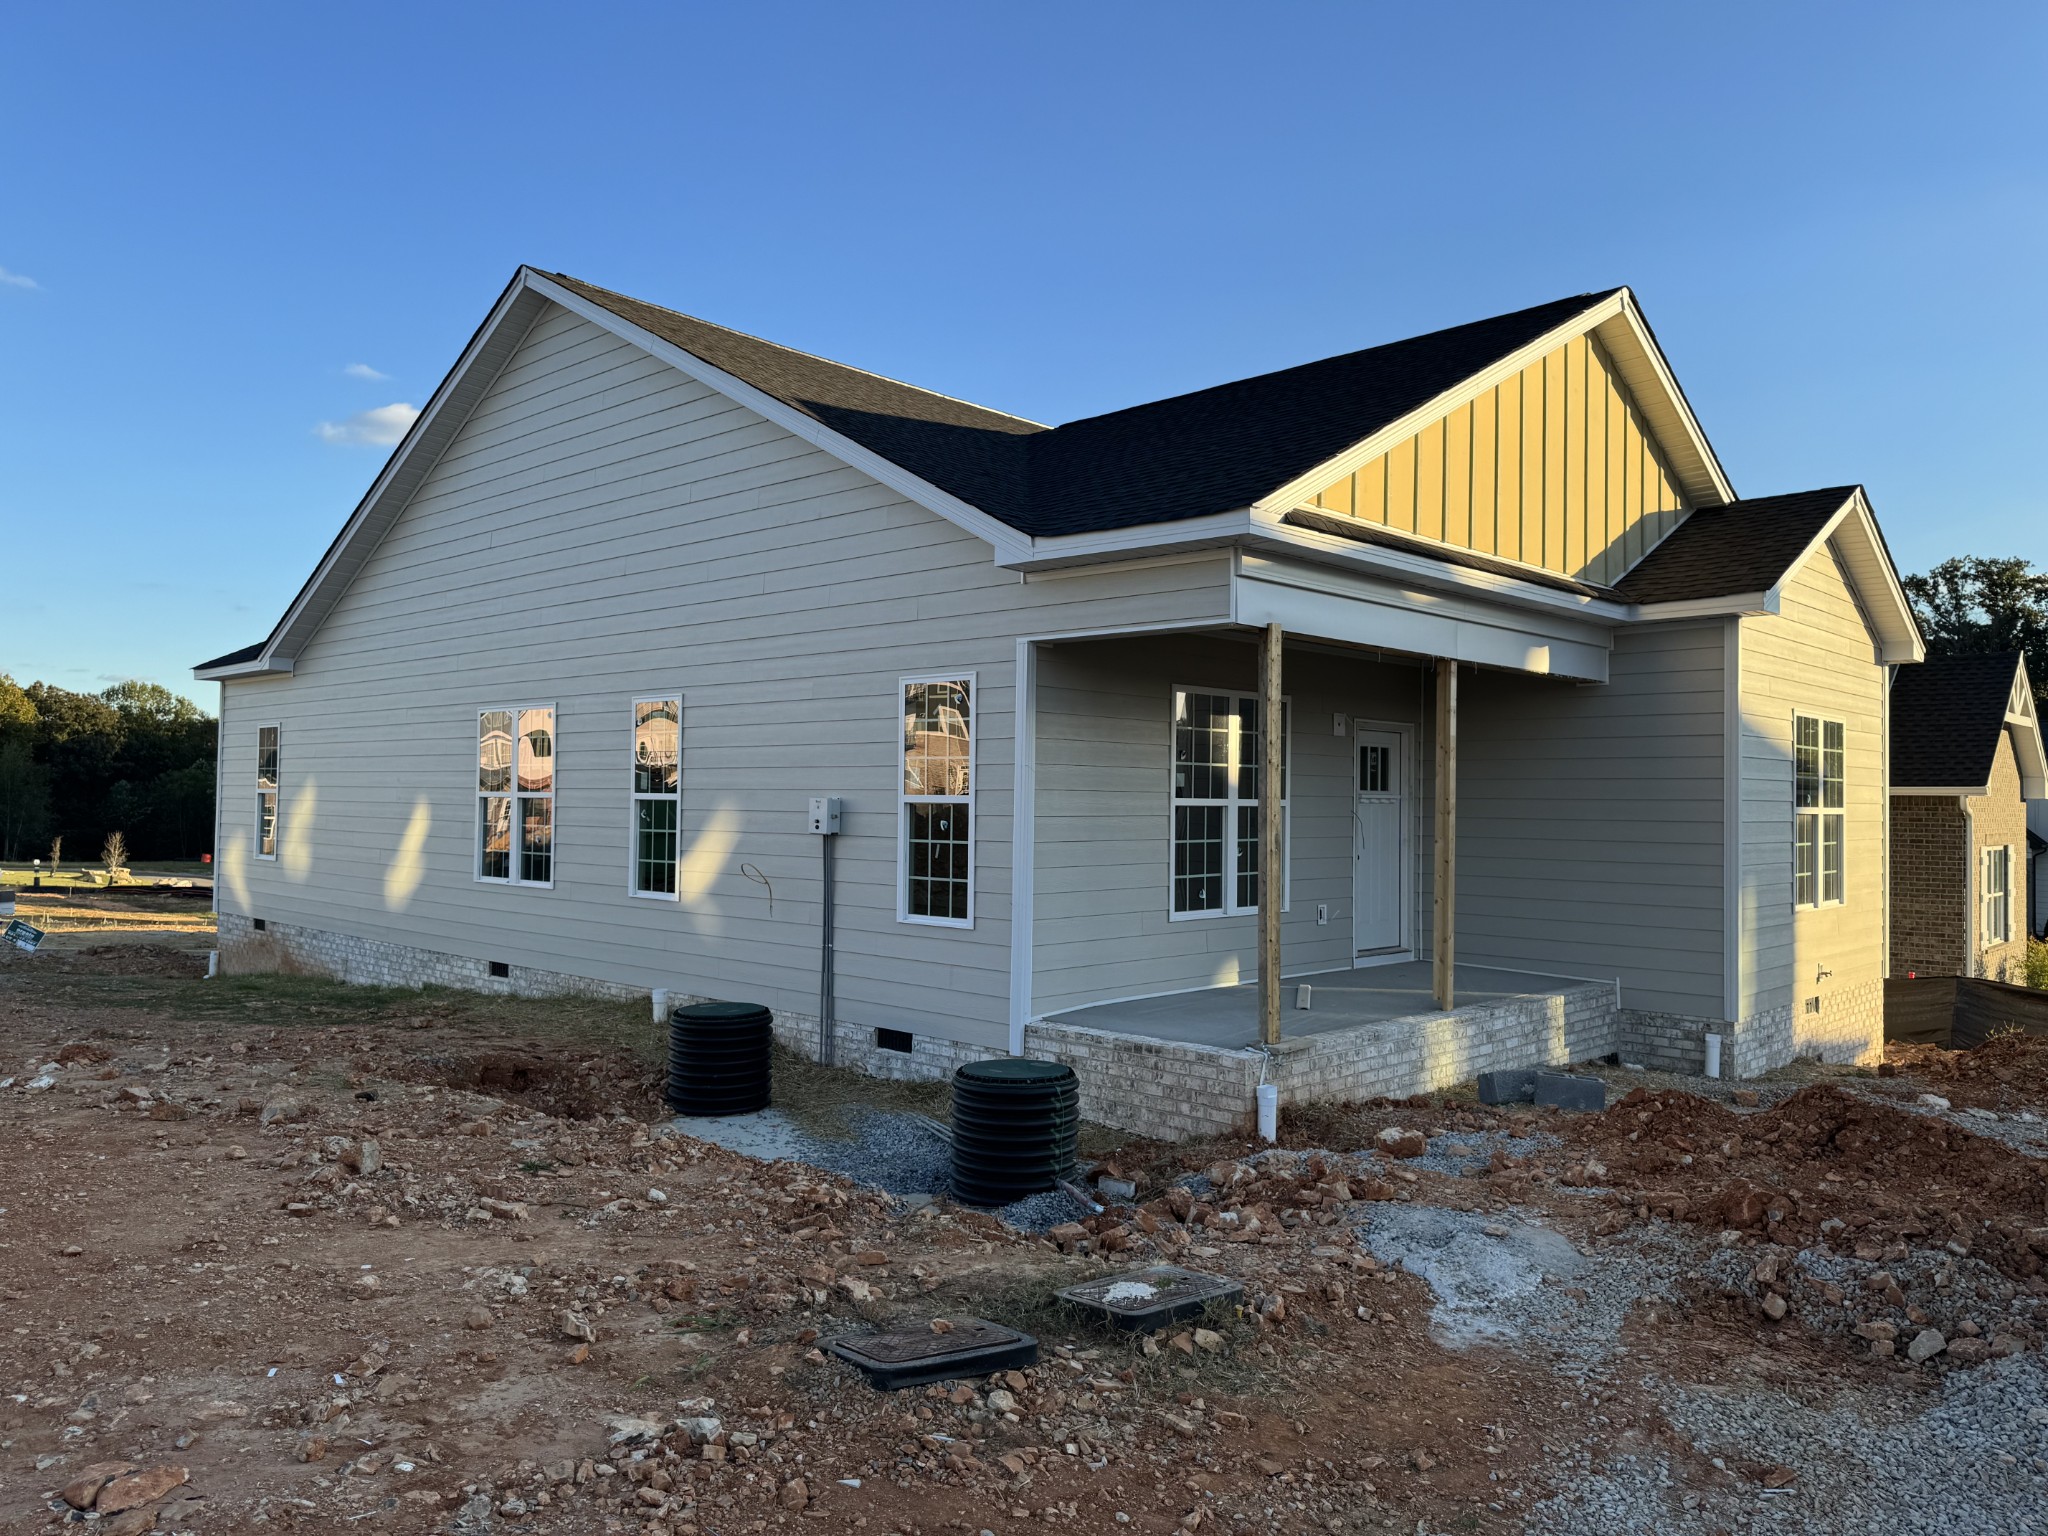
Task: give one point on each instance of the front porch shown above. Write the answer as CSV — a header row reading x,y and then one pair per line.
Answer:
x,y
1228,1017
1188,1065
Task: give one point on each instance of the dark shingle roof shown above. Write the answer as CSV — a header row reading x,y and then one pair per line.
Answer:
x,y
1215,450
1947,715
974,453
1726,551
234,658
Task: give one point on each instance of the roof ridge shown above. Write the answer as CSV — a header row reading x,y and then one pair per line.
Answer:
x,y
1590,299
816,357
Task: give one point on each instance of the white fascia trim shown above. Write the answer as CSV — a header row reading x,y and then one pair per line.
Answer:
x,y
1049,552
1618,307
1424,569
1010,545
1689,427
1898,635
261,667
416,434
2028,746
1742,606
1958,791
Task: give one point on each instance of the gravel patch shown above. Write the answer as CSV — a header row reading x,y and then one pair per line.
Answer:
x,y
1969,1457
1508,1279
905,1155
1468,1154
2024,1132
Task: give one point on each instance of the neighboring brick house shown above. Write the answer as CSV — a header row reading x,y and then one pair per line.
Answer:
x,y
1966,758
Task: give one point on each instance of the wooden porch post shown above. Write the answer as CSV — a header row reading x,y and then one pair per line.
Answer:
x,y
1444,937
1270,883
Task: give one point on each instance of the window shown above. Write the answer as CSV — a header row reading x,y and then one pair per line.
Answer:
x,y
938,801
1375,769
515,782
266,791
1819,770
1997,923
657,794
1216,802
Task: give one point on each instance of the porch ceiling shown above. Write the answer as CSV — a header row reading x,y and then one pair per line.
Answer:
x,y
1227,1017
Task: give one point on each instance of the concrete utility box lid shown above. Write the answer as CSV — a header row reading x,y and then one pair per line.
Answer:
x,y
913,1356
1147,1299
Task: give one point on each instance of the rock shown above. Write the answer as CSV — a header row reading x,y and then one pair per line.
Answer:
x,y
702,1429
1969,1351
1875,1331
1002,1400
1747,1098
139,1488
1933,1101
130,1523
366,1157
477,1319
574,1325
311,1447
364,1286
508,1210
1209,1339
872,1258
1395,1141
276,1110
1926,1345
1775,1307
84,1488
621,1429
1882,1349
2003,1344
795,1494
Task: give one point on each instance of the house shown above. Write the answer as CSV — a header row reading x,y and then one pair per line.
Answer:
x,y
1556,747
1967,758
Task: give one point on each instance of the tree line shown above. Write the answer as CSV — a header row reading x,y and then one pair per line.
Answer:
x,y
135,760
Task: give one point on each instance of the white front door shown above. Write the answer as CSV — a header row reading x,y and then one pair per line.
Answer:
x,y
1377,820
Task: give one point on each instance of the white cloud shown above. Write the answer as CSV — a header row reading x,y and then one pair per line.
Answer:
x,y
364,371
380,427
17,279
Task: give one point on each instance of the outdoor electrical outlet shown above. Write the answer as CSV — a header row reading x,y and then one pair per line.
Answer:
x,y
1322,914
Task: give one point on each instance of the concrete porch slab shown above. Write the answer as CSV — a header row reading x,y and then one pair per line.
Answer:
x,y
1227,1017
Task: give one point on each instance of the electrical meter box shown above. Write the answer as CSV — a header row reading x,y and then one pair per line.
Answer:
x,y
825,815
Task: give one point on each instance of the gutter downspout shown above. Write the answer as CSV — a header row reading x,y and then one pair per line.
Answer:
x,y
1971,959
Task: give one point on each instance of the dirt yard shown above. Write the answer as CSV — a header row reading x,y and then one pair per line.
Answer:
x,y
279,1254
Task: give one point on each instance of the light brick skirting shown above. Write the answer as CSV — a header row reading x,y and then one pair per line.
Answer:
x,y
1171,1090
292,950
1670,1042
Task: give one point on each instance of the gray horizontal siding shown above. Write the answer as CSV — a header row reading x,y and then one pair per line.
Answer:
x,y
604,528
1590,821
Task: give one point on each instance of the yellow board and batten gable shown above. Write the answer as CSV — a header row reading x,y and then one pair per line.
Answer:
x,y
1554,466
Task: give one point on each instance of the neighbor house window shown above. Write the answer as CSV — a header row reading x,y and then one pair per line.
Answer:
x,y
515,782
1216,802
1820,831
938,800
657,794
1998,895
266,791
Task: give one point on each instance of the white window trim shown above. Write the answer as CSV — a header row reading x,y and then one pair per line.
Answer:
x,y
276,791
1990,937
1230,907
477,796
1821,904
905,801
634,797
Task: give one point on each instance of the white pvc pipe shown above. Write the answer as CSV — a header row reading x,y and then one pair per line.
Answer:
x,y
1713,1055
1269,1112
661,1008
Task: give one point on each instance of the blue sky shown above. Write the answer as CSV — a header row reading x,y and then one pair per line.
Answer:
x,y
231,236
